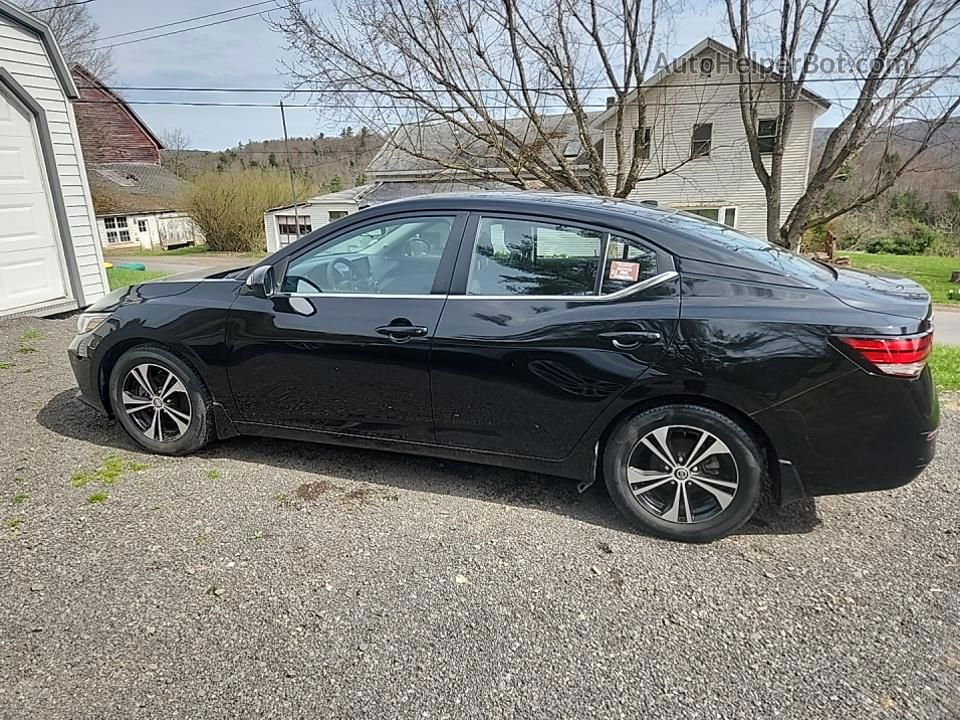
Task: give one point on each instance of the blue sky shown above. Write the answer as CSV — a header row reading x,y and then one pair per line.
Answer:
x,y
247,53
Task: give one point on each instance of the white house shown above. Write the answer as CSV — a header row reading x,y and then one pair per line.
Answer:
x,y
693,136
50,258
283,225
693,129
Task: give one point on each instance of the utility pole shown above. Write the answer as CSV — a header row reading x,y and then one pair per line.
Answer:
x,y
293,188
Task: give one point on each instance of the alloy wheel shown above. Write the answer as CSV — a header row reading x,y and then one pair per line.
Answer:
x,y
157,402
682,474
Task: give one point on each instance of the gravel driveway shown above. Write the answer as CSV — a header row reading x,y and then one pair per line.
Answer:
x,y
266,579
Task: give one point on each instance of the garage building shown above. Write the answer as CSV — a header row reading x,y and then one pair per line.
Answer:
x,y
50,257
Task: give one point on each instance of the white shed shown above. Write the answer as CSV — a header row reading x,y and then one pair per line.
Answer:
x,y
50,257
283,225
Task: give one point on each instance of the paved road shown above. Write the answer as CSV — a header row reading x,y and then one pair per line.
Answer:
x,y
946,323
267,579
180,263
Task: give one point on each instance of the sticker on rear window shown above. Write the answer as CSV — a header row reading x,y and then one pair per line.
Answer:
x,y
620,270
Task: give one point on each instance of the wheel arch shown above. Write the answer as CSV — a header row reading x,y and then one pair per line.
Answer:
x,y
735,414
118,350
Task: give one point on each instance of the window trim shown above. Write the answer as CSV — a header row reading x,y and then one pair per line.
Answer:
x,y
694,141
461,274
772,138
645,134
721,212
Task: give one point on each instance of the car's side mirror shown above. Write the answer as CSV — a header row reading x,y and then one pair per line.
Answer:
x,y
262,282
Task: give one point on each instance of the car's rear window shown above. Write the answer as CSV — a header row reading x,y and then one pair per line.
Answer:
x,y
760,251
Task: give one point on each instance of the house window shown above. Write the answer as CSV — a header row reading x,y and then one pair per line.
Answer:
x,y
641,141
767,135
117,231
337,214
727,215
287,224
142,225
700,143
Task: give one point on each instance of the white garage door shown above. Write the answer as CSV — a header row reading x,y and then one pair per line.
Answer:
x,y
30,262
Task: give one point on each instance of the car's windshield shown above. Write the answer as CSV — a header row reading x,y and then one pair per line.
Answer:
x,y
777,259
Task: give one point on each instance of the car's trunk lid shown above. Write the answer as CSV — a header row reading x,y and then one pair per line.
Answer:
x,y
881,293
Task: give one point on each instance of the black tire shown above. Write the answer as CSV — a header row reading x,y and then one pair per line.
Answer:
x,y
195,399
639,505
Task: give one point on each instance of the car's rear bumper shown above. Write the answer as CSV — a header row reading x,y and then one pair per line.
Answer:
x,y
861,432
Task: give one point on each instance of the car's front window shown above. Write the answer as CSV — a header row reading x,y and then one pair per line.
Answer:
x,y
399,257
775,258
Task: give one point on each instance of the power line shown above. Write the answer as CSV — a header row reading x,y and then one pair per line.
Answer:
x,y
185,20
195,27
444,108
189,29
358,90
53,7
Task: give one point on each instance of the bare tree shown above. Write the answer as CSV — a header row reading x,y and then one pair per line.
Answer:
x,y
902,52
176,143
76,32
497,90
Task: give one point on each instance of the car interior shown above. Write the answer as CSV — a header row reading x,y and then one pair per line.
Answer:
x,y
389,259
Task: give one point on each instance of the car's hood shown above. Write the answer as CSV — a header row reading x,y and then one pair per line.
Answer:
x,y
881,293
215,272
166,286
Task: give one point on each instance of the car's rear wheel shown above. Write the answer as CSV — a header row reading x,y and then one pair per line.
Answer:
x,y
161,401
684,472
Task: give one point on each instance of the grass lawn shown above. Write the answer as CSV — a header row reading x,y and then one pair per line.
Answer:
x,y
931,271
185,250
945,364
120,277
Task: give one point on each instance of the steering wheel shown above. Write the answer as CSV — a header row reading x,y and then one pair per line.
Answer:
x,y
342,275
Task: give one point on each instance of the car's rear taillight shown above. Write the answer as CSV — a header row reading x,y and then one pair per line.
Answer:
x,y
903,356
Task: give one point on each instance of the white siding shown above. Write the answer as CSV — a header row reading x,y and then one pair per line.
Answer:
x,y
726,177
23,55
319,214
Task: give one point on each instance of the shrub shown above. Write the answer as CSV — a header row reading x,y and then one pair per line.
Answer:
x,y
229,207
914,238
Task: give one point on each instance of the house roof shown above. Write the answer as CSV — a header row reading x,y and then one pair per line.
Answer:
x,y
42,30
93,81
705,44
386,192
128,188
354,194
443,139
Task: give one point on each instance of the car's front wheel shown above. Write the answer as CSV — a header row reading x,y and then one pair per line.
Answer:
x,y
684,472
161,401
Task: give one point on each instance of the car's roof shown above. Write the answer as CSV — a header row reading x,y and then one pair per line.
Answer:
x,y
534,201
650,222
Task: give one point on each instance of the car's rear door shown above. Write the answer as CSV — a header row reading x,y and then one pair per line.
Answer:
x,y
343,345
547,322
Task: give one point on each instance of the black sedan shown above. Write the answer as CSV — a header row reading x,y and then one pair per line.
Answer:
x,y
684,364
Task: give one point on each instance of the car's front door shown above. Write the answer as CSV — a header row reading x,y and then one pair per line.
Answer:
x,y
343,343
547,322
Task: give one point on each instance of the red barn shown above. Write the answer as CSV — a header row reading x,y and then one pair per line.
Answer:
x,y
137,201
110,131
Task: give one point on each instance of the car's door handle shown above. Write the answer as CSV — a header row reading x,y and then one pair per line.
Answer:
x,y
627,339
402,333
